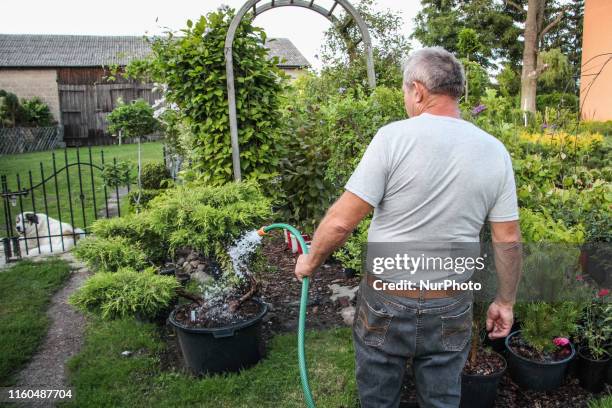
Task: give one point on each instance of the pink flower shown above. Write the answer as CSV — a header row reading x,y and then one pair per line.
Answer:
x,y
561,341
603,292
580,278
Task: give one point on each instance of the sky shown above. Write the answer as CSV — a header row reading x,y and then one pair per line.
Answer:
x,y
138,17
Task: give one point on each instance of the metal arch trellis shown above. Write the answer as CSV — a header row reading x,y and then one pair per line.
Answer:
x,y
252,6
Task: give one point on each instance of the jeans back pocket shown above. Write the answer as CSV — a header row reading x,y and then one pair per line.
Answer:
x,y
457,330
371,325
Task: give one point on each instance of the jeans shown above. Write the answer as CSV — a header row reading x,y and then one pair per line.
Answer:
x,y
389,330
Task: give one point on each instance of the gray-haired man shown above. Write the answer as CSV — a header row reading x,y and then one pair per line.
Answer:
x,y
431,178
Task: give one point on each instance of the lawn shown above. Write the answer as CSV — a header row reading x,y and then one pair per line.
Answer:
x,y
25,291
83,211
102,377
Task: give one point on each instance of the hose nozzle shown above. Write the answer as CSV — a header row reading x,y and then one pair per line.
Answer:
x,y
261,232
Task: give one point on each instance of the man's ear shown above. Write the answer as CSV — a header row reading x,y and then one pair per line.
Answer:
x,y
419,91
32,218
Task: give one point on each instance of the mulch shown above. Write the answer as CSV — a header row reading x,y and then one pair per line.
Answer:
x,y
281,291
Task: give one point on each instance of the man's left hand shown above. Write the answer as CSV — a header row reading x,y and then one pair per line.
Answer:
x,y
303,267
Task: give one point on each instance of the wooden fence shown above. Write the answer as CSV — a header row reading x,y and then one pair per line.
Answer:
x,y
26,140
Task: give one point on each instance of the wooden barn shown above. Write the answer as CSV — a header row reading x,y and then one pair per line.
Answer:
x,y
69,73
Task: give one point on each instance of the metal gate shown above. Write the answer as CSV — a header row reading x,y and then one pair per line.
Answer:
x,y
50,208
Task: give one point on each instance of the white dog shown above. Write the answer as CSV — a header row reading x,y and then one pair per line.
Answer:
x,y
49,230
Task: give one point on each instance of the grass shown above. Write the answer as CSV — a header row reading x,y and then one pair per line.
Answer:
x,y
603,402
22,164
101,377
25,291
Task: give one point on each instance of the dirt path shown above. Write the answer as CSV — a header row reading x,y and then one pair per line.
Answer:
x,y
47,369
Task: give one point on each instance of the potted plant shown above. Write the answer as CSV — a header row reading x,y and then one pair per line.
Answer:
x,y
595,331
219,330
539,353
483,369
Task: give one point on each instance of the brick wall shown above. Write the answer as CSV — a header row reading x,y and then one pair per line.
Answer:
x,y
28,83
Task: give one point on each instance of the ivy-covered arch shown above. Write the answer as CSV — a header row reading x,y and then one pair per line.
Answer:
x,y
256,8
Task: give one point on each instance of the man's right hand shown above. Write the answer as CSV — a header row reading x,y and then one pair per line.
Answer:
x,y
500,318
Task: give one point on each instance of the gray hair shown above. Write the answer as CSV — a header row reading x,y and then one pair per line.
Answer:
x,y
437,69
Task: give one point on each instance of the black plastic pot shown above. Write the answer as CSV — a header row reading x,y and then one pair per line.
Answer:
x,y
498,345
591,373
480,391
535,375
224,349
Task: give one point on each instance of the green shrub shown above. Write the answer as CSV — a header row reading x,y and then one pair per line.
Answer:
x,y
557,100
118,174
540,227
605,128
153,176
126,293
110,254
137,229
9,109
34,112
350,125
193,67
595,329
139,199
207,218
350,254
542,322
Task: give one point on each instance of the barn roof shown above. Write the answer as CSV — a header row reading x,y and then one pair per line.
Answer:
x,y
40,50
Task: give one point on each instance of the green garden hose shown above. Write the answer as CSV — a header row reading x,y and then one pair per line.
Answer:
x,y
303,303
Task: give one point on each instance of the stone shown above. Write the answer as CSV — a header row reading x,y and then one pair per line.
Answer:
x,y
181,261
339,291
194,264
201,277
201,268
348,315
192,256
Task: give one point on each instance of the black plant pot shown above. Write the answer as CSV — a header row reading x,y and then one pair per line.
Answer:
x,y
480,391
498,345
224,349
591,373
535,375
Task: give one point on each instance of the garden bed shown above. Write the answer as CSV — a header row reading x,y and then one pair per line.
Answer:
x,y
281,290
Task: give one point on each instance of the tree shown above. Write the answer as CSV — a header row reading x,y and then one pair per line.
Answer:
x,y
538,23
440,21
133,119
343,52
553,24
468,44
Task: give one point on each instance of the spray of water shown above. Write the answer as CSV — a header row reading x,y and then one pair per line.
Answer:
x,y
215,293
242,250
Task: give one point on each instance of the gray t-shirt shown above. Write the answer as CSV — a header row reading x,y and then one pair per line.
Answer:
x,y
434,179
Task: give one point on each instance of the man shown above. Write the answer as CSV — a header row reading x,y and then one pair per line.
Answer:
x,y
431,178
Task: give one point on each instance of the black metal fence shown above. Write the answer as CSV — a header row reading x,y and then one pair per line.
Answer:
x,y
50,215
